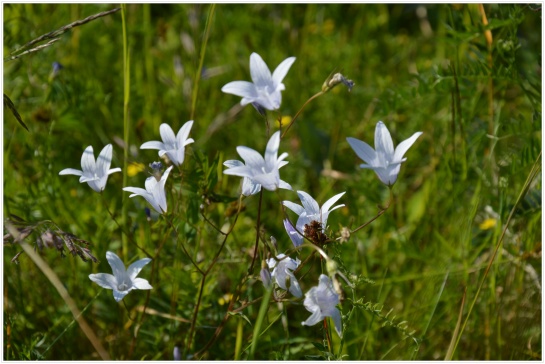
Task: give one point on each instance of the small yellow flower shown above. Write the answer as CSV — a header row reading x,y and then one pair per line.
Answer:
x,y
134,168
284,121
487,224
225,299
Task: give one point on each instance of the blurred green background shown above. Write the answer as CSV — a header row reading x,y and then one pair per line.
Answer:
x,y
422,68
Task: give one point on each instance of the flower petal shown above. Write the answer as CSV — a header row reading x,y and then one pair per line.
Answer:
x,y
136,267
272,151
261,76
88,161
310,204
141,283
104,280
252,159
118,268
404,146
169,139
183,134
118,295
363,150
153,145
103,161
282,70
298,209
383,140
243,89
233,163
113,170
73,171
314,318
326,206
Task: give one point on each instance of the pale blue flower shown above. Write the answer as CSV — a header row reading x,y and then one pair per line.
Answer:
x,y
261,172
385,161
282,273
172,145
321,301
154,192
266,88
94,173
122,281
310,211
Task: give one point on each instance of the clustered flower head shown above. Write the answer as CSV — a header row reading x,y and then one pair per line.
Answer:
x,y
122,281
265,89
262,171
258,172
310,211
94,173
384,160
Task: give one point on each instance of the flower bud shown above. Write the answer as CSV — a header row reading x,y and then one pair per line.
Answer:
x,y
345,234
177,355
266,277
334,80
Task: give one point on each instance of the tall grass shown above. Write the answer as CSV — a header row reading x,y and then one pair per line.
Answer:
x,y
450,268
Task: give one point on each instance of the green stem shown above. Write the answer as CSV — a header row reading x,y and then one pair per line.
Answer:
x,y
201,60
299,112
126,125
533,173
260,317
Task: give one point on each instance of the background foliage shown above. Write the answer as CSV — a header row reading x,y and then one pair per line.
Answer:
x,y
427,68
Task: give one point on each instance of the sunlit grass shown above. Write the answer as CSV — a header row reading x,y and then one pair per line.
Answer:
x,y
429,68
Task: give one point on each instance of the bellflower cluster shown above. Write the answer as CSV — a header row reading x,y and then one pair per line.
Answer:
x,y
308,212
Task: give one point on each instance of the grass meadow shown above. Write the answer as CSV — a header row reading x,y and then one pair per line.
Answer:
x,y
448,267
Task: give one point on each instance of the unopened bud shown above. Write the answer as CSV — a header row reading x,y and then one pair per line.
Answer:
x,y
334,80
345,234
176,353
265,277
331,267
273,241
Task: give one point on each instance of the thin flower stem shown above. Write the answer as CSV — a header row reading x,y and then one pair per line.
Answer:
x,y
533,173
201,59
299,112
381,211
123,229
183,247
126,124
194,319
328,337
257,232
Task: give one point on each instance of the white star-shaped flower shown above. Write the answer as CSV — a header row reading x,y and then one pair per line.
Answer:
x,y
154,192
94,173
266,88
262,172
385,161
121,282
322,301
172,145
283,272
310,211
